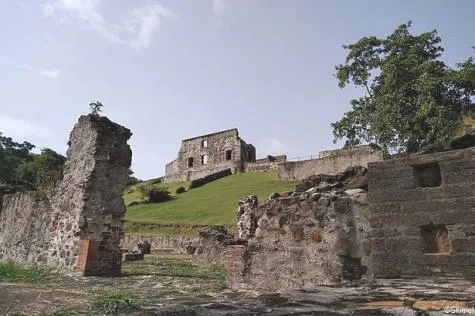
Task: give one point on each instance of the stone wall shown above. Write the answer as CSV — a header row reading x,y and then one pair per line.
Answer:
x,y
78,227
423,215
25,224
268,164
331,162
317,236
177,243
214,147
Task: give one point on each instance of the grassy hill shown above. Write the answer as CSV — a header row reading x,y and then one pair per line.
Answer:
x,y
213,203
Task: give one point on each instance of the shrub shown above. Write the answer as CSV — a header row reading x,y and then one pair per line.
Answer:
x,y
155,194
180,190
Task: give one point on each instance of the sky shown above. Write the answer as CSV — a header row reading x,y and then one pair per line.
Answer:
x,y
171,69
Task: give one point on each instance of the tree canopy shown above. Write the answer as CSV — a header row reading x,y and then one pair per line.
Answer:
x,y
412,98
21,169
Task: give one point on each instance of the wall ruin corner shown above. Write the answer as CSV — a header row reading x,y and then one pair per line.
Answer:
x,y
78,227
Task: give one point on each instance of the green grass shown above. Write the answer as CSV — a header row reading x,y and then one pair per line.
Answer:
x,y
211,204
115,302
15,273
133,192
174,268
106,302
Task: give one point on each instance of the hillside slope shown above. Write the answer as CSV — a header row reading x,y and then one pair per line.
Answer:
x,y
213,203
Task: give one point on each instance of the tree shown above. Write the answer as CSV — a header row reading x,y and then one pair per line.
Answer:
x,y
96,107
22,169
412,98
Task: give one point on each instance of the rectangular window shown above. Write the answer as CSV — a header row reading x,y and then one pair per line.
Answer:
x,y
435,238
428,175
204,159
204,143
229,154
190,162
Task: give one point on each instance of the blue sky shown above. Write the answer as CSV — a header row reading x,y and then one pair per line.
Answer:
x,y
170,69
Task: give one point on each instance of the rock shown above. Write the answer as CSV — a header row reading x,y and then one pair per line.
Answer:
x,y
311,191
315,196
354,191
346,229
343,247
144,247
132,256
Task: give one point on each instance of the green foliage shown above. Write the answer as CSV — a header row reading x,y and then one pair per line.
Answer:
x,y
180,190
96,107
22,169
132,180
16,273
412,98
155,194
115,303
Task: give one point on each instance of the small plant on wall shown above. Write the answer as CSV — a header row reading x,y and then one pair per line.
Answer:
x,y
96,107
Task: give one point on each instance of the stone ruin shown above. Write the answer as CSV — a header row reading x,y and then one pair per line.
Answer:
x,y
315,235
400,218
78,226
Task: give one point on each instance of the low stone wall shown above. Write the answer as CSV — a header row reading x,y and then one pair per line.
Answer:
x,y
23,216
320,236
177,243
423,215
268,164
211,177
332,162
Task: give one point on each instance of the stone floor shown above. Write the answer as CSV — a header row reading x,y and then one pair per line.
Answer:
x,y
171,296
425,296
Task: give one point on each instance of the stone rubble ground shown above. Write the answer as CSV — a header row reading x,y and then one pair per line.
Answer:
x,y
424,296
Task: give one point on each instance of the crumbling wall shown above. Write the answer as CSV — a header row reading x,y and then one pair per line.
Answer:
x,y
330,162
79,225
179,244
317,235
267,164
25,224
423,215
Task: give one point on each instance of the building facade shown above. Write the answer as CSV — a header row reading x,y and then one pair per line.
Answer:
x,y
207,154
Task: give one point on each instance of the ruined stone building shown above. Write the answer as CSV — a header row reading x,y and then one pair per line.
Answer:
x,y
212,153
207,154
402,217
79,225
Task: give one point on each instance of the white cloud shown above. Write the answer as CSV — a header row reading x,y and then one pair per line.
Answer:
x,y
136,32
20,129
219,7
51,73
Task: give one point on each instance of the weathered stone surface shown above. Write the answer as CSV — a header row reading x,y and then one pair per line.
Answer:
x,y
212,242
77,227
294,242
409,297
330,162
420,209
179,244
